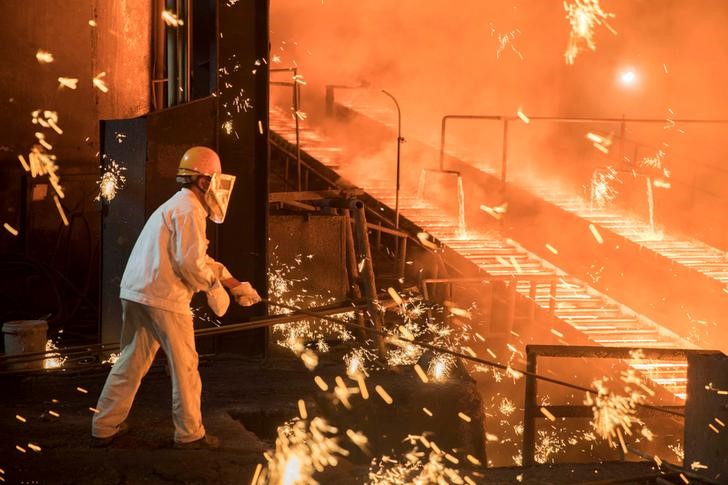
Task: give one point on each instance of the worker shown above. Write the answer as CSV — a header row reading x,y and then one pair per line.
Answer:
x,y
168,264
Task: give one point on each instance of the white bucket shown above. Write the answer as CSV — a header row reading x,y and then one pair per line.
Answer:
x,y
23,336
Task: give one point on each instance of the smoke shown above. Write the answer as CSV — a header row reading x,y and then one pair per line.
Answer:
x,y
477,57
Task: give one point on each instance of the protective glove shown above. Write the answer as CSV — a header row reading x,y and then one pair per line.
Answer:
x,y
218,299
245,294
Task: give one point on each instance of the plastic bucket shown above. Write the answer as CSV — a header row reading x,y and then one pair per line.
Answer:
x,y
23,336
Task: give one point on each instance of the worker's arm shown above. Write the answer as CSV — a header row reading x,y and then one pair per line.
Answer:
x,y
189,246
222,273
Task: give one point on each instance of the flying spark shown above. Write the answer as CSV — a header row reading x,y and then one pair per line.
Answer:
x,y
99,83
10,229
44,57
111,181
67,82
596,234
584,16
523,116
61,212
171,19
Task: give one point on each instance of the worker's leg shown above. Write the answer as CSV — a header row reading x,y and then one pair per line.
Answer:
x,y
177,337
138,347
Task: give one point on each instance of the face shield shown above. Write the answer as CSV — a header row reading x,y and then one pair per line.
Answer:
x,y
217,196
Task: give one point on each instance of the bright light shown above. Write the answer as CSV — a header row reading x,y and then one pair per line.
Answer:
x,y
628,77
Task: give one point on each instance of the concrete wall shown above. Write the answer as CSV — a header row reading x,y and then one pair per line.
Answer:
x,y
64,259
118,45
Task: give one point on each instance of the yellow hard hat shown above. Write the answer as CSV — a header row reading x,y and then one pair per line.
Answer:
x,y
199,161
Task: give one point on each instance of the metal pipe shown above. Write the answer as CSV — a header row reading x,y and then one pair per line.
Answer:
x,y
529,412
399,143
296,101
353,269
158,77
366,269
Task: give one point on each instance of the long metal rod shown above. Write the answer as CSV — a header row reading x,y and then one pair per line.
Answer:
x,y
95,349
529,413
460,354
399,144
298,312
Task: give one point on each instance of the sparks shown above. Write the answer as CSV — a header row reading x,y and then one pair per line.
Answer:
x,y
383,394
596,234
603,191
505,40
440,366
10,229
584,16
302,409
54,360
61,212
111,181
68,82
171,19
99,83
44,57
522,116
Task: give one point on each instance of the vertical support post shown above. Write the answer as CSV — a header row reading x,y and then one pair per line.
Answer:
x,y
158,77
399,145
296,108
552,297
329,100
532,304
402,257
488,298
529,410
622,133
504,154
242,241
353,268
511,304
443,127
367,278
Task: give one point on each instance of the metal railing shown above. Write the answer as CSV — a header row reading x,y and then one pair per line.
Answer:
x,y
296,104
531,409
505,120
511,286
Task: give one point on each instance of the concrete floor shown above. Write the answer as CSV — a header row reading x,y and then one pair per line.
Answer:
x,y
260,393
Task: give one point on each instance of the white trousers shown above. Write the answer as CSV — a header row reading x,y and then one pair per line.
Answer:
x,y
144,330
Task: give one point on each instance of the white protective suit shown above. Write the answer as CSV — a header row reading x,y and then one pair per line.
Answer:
x,y
168,264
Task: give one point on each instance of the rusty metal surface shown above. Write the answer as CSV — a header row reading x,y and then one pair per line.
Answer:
x,y
319,243
706,414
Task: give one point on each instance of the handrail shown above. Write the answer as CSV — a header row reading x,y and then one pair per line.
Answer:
x,y
296,105
556,119
575,351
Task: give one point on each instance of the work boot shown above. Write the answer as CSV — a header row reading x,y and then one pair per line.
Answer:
x,y
102,442
207,442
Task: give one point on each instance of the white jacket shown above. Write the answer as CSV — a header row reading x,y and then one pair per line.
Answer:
x,y
169,262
